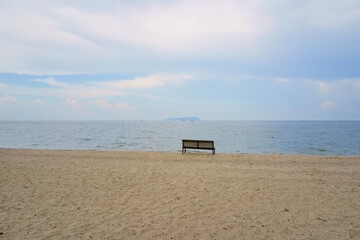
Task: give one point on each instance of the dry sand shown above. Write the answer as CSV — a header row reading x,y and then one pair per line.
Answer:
x,y
49,194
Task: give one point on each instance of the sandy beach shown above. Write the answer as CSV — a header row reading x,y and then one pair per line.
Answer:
x,y
48,194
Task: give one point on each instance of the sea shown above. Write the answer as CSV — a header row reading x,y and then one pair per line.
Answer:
x,y
339,138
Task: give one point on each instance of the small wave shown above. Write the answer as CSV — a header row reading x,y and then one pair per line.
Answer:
x,y
317,149
117,146
84,139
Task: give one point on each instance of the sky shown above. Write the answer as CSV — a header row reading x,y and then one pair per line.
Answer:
x,y
157,59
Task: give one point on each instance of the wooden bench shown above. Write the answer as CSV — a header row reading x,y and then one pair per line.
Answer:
x,y
198,144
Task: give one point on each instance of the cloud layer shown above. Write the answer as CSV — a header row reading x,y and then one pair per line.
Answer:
x,y
159,96
91,89
145,59
101,98
52,37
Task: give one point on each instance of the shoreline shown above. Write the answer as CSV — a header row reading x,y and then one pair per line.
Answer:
x,y
82,194
191,151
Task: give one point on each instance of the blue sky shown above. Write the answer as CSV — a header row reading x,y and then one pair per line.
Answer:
x,y
152,60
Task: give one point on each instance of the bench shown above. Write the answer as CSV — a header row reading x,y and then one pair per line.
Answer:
x,y
198,144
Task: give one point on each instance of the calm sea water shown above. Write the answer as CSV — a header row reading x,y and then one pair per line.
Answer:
x,y
286,137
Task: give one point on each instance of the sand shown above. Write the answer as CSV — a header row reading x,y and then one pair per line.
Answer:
x,y
48,194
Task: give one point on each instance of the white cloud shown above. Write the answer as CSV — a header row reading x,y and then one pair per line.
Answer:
x,y
71,37
340,89
328,105
282,80
42,102
90,36
174,26
151,96
333,13
7,100
121,105
90,92
322,87
72,90
102,103
124,106
53,82
353,83
73,103
153,80
55,88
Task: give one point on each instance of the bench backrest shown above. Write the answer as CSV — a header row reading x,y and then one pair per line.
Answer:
x,y
205,144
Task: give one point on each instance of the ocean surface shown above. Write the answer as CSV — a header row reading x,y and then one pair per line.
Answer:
x,y
284,137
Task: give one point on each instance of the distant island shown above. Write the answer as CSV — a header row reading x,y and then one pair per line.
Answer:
x,y
184,119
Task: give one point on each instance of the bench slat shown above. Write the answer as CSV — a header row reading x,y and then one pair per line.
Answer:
x,y
190,144
206,145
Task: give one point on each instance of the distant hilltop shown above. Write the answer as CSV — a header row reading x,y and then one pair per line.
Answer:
x,y
184,119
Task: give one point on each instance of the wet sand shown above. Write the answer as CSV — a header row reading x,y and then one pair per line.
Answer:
x,y
48,194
